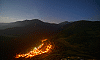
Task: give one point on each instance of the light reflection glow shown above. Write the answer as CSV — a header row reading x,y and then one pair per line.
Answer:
x,y
36,51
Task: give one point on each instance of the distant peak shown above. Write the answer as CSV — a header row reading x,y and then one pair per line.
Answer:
x,y
83,20
33,20
64,23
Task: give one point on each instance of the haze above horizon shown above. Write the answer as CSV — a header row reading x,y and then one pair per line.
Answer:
x,y
52,11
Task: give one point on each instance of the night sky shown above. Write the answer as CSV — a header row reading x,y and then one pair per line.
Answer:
x,y
52,11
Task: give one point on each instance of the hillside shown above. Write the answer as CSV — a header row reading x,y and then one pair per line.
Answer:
x,y
76,40
30,27
21,38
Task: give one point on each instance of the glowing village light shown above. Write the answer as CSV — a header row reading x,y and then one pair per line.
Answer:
x,y
36,51
35,48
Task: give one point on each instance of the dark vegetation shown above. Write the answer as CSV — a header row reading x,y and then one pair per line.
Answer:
x,y
81,38
76,39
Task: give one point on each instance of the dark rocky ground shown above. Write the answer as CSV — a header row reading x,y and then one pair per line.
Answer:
x,y
77,40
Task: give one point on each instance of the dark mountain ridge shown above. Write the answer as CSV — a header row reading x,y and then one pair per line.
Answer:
x,y
78,39
29,26
18,24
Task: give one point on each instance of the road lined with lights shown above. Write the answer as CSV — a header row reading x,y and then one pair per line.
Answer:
x,y
36,51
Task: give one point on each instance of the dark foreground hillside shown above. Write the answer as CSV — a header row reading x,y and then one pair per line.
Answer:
x,y
78,39
75,41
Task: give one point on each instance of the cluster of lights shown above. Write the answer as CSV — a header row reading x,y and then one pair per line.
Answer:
x,y
36,51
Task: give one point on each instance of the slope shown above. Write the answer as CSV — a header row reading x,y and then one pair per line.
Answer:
x,y
78,39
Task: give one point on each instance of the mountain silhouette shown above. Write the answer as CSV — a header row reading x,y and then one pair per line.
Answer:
x,y
64,23
18,23
78,39
29,27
